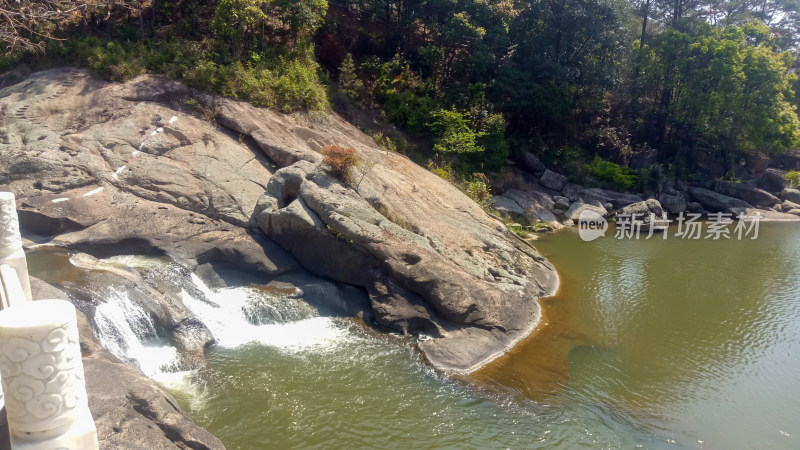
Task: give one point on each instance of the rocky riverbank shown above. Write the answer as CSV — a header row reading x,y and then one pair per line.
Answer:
x,y
543,195
152,166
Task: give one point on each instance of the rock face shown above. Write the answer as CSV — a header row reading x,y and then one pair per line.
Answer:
x,y
792,195
716,202
532,163
772,180
617,199
553,180
572,214
674,204
746,192
112,168
129,409
450,274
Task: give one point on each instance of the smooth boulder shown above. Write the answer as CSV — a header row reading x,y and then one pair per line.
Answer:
x,y
532,163
792,195
746,192
553,180
772,180
674,204
716,202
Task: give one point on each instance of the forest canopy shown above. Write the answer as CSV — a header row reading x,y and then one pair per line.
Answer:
x,y
648,83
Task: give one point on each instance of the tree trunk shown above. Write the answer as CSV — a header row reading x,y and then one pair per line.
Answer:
x,y
644,23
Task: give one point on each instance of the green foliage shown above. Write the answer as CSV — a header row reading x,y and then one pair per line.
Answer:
x,y
793,177
303,17
287,84
453,133
477,188
348,79
493,141
113,62
614,175
727,88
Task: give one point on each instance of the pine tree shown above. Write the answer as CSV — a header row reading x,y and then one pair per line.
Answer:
x,y
348,80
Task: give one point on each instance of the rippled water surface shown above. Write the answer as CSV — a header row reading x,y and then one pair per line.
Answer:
x,y
652,344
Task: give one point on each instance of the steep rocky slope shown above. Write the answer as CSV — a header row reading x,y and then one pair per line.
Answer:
x,y
153,166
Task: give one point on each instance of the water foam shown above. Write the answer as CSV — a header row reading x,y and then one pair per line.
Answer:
x,y
223,311
128,332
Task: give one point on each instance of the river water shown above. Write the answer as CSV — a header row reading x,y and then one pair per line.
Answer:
x,y
650,343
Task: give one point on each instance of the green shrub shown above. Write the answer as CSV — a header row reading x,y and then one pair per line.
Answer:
x,y
285,83
493,141
793,177
478,190
614,175
113,62
453,133
297,86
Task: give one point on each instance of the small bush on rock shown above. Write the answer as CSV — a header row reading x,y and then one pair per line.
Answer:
x,y
793,177
340,161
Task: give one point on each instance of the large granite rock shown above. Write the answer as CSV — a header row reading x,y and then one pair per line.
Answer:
x,y
746,192
532,163
111,168
787,206
792,195
572,214
537,204
716,202
424,272
642,210
553,180
766,215
506,206
772,180
617,199
674,204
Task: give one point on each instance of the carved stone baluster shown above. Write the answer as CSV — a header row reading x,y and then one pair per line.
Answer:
x,y
42,377
11,252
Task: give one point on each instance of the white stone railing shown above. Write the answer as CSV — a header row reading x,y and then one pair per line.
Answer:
x,y
11,254
40,357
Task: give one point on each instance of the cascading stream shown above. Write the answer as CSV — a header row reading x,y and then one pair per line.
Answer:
x,y
236,316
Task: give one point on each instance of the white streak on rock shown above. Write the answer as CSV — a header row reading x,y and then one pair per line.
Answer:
x,y
93,191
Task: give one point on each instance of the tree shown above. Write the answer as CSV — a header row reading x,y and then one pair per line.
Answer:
x,y
348,79
729,90
303,17
25,25
453,133
238,20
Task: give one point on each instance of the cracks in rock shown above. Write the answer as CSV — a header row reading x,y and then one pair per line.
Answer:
x,y
142,406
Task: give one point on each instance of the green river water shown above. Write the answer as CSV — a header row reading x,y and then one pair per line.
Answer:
x,y
653,344
648,344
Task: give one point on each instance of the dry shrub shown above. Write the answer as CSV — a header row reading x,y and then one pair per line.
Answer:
x,y
340,161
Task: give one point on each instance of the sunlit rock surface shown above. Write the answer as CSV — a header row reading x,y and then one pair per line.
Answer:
x,y
143,167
